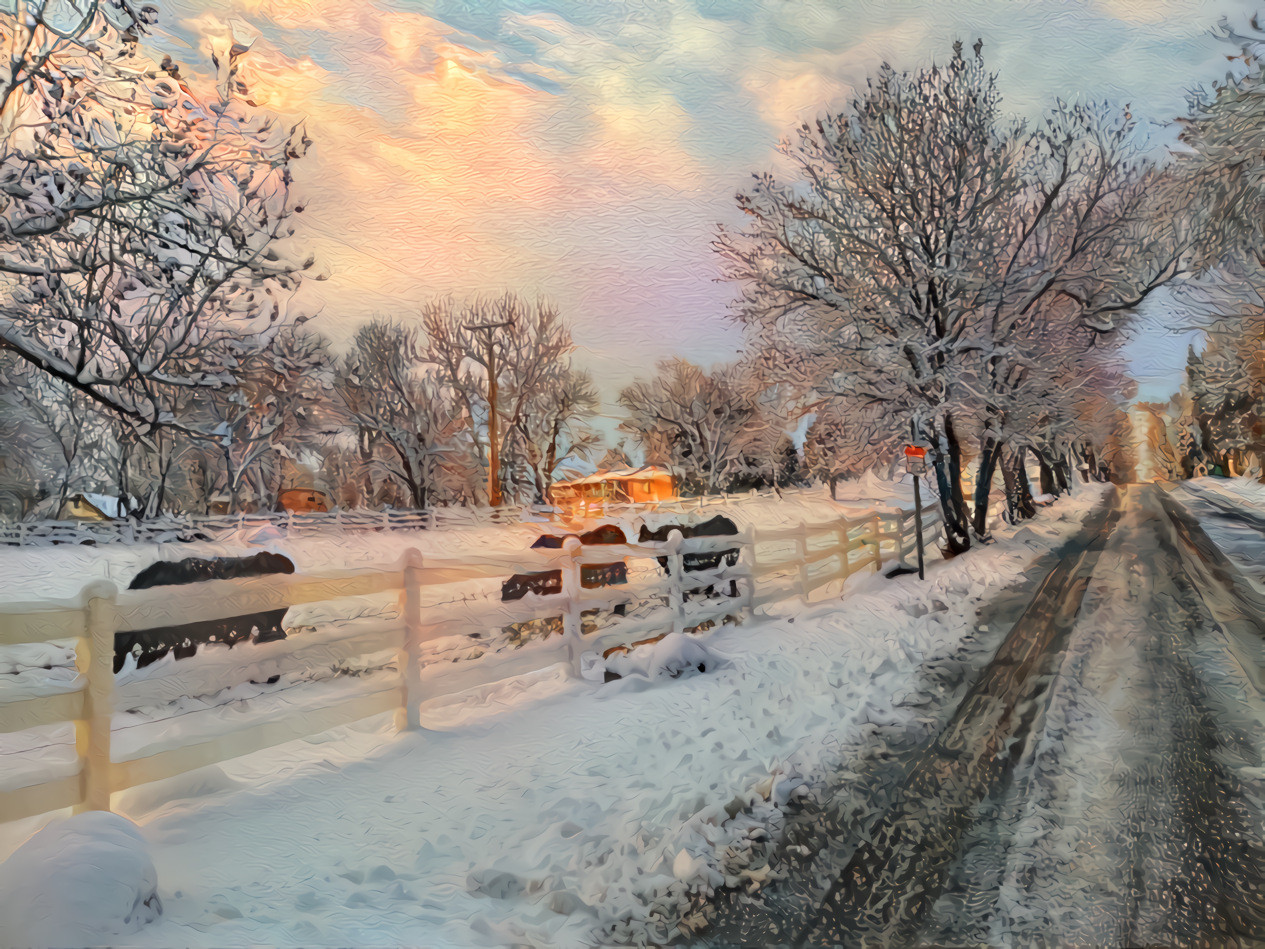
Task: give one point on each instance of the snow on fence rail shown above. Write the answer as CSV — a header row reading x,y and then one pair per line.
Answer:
x,y
819,554
212,526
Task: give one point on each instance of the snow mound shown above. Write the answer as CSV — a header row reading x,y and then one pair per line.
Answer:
x,y
79,882
187,787
670,656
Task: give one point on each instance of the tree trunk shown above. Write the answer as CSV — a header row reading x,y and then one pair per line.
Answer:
x,y
1062,474
1009,486
164,470
948,467
959,537
1024,505
834,483
989,454
1047,474
1019,503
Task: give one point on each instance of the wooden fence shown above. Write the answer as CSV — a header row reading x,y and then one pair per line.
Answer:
x,y
773,565
170,528
213,526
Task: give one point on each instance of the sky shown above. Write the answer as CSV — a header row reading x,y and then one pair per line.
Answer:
x,y
586,150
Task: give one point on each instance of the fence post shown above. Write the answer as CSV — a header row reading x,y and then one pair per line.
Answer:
x,y
841,540
408,718
847,550
94,658
899,520
748,557
753,566
676,579
876,533
572,590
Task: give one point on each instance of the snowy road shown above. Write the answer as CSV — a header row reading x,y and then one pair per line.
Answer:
x,y
1098,783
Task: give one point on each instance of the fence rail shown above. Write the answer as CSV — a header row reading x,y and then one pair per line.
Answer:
x,y
772,565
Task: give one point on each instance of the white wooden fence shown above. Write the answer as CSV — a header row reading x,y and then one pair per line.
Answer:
x,y
773,565
170,528
212,526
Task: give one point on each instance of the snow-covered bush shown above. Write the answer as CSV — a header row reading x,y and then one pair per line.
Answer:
x,y
670,656
78,882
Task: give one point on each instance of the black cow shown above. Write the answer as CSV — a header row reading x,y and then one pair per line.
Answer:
x,y
716,526
150,645
592,576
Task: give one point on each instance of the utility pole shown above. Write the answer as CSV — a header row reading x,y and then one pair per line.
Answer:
x,y
494,438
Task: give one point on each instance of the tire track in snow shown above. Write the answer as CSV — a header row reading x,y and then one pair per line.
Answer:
x,y
890,825
1134,819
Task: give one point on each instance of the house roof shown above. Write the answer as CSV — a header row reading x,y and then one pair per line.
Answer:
x,y
107,505
644,473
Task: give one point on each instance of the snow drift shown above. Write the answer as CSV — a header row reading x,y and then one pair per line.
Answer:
x,y
78,882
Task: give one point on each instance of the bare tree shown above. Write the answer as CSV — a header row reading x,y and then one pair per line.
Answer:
x,y
1094,229
406,417
524,354
700,424
872,265
552,429
926,250
144,228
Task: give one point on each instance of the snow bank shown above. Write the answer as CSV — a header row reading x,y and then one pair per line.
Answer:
x,y
82,881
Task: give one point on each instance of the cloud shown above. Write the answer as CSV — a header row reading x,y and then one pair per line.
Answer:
x,y
586,151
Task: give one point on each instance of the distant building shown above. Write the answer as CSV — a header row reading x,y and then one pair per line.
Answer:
x,y
1155,457
645,485
303,500
90,507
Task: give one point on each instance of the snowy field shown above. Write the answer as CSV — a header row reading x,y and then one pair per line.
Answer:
x,y
171,703
550,810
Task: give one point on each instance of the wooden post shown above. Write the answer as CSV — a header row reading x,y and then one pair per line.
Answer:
x,y
918,522
572,591
899,520
676,573
753,566
94,658
876,533
408,717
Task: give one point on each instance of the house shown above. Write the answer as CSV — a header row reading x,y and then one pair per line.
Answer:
x,y
303,500
648,484
90,507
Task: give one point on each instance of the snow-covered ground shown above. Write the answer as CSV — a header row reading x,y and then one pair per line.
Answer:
x,y
60,572
547,809
1232,512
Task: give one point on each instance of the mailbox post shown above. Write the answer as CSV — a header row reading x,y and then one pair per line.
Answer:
x,y
916,465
